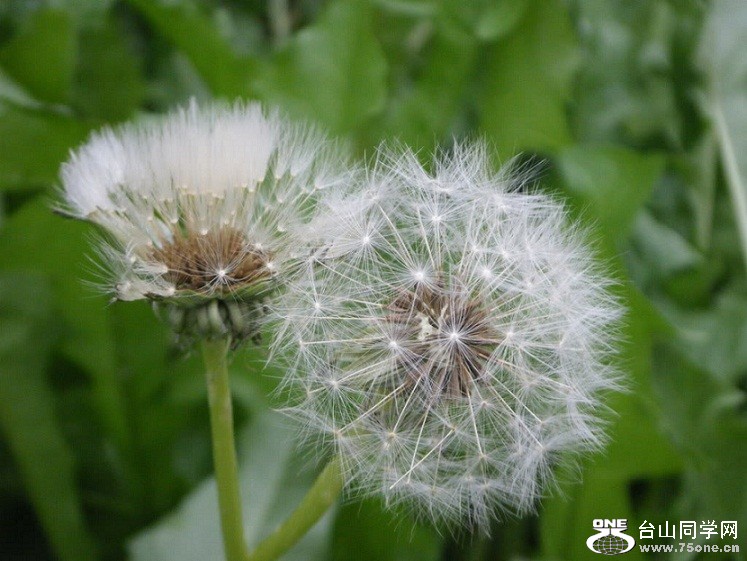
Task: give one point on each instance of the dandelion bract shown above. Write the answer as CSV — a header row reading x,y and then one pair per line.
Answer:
x,y
451,338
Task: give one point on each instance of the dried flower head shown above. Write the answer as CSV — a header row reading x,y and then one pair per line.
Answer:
x,y
450,339
198,207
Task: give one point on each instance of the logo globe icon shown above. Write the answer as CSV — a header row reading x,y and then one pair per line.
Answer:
x,y
611,545
611,538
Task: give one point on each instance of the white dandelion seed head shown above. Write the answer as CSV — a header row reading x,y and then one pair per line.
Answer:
x,y
462,344
201,201
200,208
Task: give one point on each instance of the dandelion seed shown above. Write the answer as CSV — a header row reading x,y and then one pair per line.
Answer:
x,y
467,384
191,205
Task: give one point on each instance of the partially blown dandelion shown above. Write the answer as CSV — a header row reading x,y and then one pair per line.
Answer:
x,y
200,210
197,206
450,338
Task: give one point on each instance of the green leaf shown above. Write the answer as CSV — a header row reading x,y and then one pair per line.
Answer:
x,y
666,252
627,86
424,112
409,8
612,183
721,485
121,347
704,415
527,82
699,168
714,339
27,414
333,71
634,431
499,18
109,85
85,12
34,239
366,531
487,20
191,32
13,92
725,101
33,143
42,56
271,488
149,369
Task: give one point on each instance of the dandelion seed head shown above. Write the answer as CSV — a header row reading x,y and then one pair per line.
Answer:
x,y
473,339
199,205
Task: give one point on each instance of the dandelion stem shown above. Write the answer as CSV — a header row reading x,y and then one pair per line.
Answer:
x,y
214,354
317,501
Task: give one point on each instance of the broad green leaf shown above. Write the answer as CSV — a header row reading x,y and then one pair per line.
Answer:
x,y
611,184
11,91
411,8
85,12
722,484
271,487
192,33
625,89
527,82
424,112
704,416
333,71
634,430
499,18
375,534
487,20
714,339
148,369
33,143
42,56
34,239
666,252
725,98
109,85
27,417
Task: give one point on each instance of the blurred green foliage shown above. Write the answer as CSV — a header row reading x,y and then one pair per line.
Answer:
x,y
638,111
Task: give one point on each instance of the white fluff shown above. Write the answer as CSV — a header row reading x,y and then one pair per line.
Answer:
x,y
196,170
382,386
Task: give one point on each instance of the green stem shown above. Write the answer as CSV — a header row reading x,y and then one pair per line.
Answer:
x,y
734,178
215,354
317,501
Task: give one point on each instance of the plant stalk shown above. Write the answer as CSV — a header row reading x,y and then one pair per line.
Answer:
x,y
215,357
318,500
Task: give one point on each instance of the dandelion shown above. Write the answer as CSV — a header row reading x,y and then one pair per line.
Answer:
x,y
201,211
198,208
451,339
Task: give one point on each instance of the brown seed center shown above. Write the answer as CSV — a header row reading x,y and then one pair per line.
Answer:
x,y
218,261
447,338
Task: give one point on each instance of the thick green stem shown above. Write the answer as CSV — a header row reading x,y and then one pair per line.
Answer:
x,y
317,501
224,452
